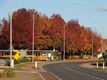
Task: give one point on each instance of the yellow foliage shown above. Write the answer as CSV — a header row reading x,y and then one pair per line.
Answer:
x,y
17,55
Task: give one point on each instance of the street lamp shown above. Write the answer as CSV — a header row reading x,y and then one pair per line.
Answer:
x,y
33,17
92,44
64,43
11,60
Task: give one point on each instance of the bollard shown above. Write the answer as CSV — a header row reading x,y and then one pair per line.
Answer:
x,y
36,64
103,65
97,65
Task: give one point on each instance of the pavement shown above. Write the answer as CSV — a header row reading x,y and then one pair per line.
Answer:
x,y
27,71
24,72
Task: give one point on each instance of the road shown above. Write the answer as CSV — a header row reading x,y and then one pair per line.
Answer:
x,y
72,71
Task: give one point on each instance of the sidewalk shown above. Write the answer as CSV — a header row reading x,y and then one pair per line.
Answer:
x,y
28,71
25,72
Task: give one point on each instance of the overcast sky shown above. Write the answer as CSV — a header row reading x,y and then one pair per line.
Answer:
x,y
90,13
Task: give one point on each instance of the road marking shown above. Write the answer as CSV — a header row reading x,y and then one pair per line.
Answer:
x,y
82,73
42,76
55,76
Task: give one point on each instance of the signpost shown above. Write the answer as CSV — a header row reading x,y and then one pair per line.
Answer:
x,y
36,64
49,56
99,55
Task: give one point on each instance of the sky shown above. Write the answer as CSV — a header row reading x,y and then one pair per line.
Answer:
x,y
90,13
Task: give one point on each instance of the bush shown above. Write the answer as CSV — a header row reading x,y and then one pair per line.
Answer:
x,y
15,62
7,62
23,60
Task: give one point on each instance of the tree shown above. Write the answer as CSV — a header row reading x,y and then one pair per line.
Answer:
x,y
55,32
48,33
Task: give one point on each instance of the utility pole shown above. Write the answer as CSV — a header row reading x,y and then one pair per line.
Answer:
x,y
11,60
92,45
33,17
64,43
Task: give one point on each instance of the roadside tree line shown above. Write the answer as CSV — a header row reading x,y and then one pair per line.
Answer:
x,y
48,33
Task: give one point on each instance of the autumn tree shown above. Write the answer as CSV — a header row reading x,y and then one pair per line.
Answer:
x,y
55,32
48,33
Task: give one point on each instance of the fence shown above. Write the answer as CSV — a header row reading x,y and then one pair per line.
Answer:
x,y
35,54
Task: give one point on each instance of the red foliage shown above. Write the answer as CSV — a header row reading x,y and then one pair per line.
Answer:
x,y
49,32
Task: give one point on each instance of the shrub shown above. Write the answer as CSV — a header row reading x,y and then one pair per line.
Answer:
x,y
23,60
15,62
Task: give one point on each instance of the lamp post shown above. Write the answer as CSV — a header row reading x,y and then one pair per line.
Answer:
x,y
92,44
64,43
33,17
11,60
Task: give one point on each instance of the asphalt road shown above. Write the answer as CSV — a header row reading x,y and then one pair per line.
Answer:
x,y
72,71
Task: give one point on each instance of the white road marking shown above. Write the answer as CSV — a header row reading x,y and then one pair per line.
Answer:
x,y
42,76
55,76
82,73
